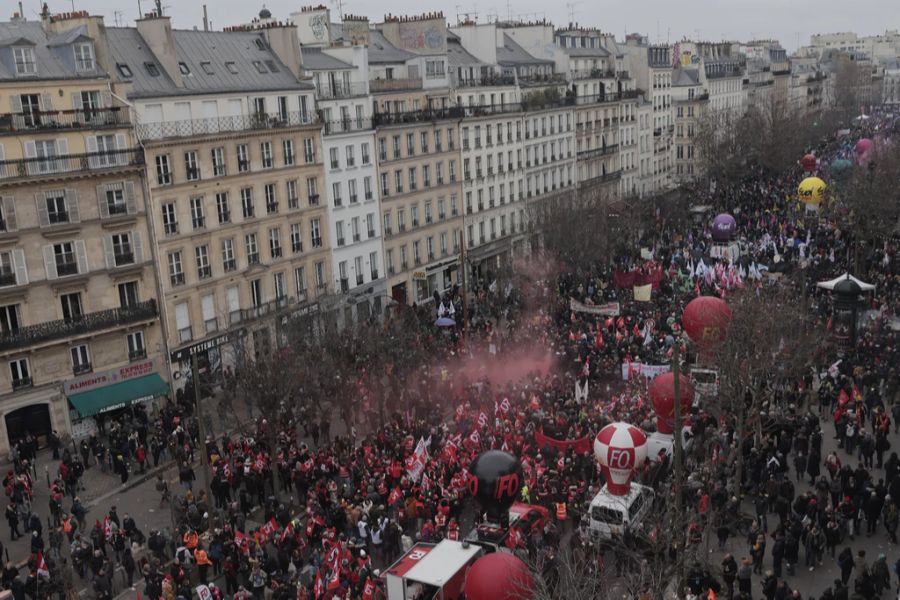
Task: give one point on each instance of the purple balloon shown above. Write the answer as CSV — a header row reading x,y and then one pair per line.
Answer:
x,y
723,227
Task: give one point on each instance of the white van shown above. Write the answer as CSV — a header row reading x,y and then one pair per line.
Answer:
x,y
611,515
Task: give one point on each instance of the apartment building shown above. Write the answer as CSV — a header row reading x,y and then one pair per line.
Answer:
x,y
234,155
338,67
79,329
690,101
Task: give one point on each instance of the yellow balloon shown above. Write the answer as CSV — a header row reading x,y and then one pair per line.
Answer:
x,y
812,190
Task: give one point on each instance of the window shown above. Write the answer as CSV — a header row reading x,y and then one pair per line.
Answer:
x,y
438,145
152,69
428,212
260,68
398,181
382,149
124,70
84,56
198,220
320,275
128,293
275,242
207,67
342,276
278,286
116,201
454,209
364,151
71,306
370,225
386,223
176,274
401,220
434,69
24,59
252,249
443,242
309,151
351,188
271,199
358,267
247,202
389,257
333,158
396,147
20,373
55,202
218,161
65,260
202,255
336,193
163,170
410,144
339,233
384,185
441,212
351,160
300,282
135,344
123,249
287,147
312,189
296,239
222,210
293,196
243,155
451,141
266,150
426,175
192,169
9,319
228,261
452,171
423,138
404,263
185,70
414,215
417,255
373,265
429,246
354,228
315,235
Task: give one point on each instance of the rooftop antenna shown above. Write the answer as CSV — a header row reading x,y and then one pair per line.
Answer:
x,y
340,8
159,8
205,19
571,6
508,11
117,17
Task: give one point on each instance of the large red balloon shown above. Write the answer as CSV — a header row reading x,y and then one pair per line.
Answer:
x,y
499,576
706,320
809,162
662,394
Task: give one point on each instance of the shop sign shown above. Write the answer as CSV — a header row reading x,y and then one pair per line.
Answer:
x,y
104,378
185,353
419,276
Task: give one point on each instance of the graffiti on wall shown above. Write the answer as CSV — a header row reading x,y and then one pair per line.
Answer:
x,y
430,38
319,26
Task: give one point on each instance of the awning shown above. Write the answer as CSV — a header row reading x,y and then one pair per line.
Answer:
x,y
829,285
119,395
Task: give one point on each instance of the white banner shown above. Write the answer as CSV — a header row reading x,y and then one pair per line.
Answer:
x,y
610,309
633,369
416,466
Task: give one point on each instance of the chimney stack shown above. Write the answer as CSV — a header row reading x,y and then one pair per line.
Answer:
x,y
156,30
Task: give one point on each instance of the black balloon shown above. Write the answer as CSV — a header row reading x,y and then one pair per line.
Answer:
x,y
495,480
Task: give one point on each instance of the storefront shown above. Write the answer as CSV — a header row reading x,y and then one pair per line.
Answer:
x,y
107,392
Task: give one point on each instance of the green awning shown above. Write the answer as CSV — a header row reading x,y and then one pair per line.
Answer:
x,y
119,395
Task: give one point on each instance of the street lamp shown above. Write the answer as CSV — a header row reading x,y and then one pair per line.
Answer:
x,y
844,313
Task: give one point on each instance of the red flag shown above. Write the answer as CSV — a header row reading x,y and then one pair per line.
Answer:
x,y
482,420
288,531
42,569
319,586
107,530
474,437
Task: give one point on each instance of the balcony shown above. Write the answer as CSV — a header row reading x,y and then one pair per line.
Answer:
x,y
216,125
486,81
99,118
341,90
261,310
593,74
607,97
72,164
604,178
395,85
347,126
601,151
88,323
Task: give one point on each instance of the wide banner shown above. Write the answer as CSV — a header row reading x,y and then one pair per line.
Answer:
x,y
635,369
581,445
610,309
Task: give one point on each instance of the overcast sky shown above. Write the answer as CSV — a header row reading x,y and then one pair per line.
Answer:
x,y
661,20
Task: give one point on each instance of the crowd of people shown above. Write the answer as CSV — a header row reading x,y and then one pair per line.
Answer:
x,y
320,518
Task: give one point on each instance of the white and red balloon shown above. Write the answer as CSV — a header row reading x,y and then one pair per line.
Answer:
x,y
620,448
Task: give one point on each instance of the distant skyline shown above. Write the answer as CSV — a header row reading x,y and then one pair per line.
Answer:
x,y
788,21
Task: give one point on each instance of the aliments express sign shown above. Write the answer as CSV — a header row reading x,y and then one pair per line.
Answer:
x,y
104,378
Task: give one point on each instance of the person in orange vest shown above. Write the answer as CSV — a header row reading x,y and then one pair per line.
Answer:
x,y
453,530
203,562
190,539
561,516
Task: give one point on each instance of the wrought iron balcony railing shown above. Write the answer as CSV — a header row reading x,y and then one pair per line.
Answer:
x,y
69,164
601,151
55,120
347,126
395,85
29,335
340,90
216,125
417,116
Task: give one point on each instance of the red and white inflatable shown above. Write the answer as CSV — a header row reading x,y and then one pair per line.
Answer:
x,y
620,448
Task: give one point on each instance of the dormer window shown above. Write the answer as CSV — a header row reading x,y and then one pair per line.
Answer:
x,y
185,70
84,56
260,44
152,69
232,68
24,57
260,67
207,68
271,65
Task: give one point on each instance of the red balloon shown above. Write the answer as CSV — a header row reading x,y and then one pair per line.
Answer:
x,y
809,162
662,394
499,576
706,320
